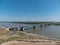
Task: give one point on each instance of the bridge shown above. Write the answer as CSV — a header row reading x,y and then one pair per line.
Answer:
x,y
34,26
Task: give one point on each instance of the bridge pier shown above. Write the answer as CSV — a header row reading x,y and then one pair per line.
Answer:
x,y
15,29
41,25
21,28
34,27
45,25
48,24
11,29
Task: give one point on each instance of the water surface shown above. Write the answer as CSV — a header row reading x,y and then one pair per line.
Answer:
x,y
51,31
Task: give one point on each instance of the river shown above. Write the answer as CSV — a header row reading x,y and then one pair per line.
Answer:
x,y
51,31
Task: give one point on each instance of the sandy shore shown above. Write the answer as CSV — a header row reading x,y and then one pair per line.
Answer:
x,y
28,39
39,36
30,43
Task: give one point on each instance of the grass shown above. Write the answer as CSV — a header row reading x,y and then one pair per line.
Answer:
x,y
15,38
19,36
29,36
4,32
20,33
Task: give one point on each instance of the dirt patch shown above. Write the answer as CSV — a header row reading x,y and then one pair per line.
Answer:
x,y
27,43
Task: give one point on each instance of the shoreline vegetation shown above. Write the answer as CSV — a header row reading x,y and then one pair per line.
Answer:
x,y
22,36
50,23
28,37
32,22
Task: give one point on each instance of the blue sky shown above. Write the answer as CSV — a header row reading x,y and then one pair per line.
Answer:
x,y
29,10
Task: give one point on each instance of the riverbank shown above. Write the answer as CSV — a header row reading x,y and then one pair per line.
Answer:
x,y
28,43
23,38
35,36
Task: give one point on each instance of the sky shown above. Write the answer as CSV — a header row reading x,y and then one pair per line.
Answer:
x,y
29,10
